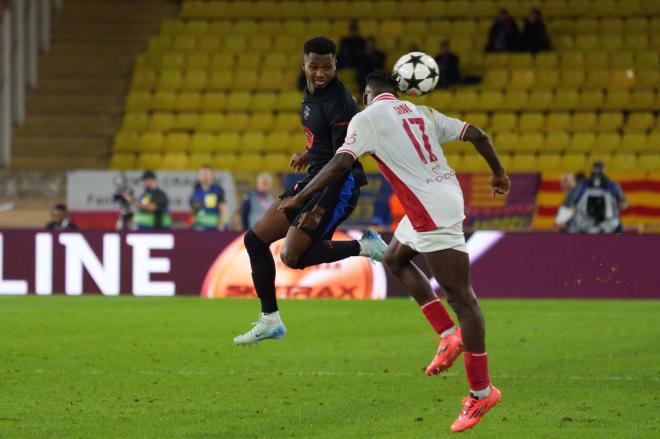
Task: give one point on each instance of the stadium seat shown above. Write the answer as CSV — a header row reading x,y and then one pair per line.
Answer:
x,y
504,123
623,162
176,142
172,60
252,141
194,79
649,162
531,122
202,142
138,101
540,99
126,141
647,78
488,100
558,122
169,80
276,162
223,61
609,121
260,121
161,121
549,162
249,162
590,100
653,141
479,119
572,60
264,101
239,100
234,121
198,60
640,122
135,122
565,99
236,44
584,122
547,79
647,60
532,142
185,121
622,61
621,80
583,142
574,162
212,101
277,140
597,78
289,100
175,161
556,141
617,100
524,163
473,162
496,78
636,142
210,122
572,78
608,142
288,121
246,80
544,61
641,100
151,141
224,161
144,79
123,161
441,100
515,100
522,79
196,161
149,161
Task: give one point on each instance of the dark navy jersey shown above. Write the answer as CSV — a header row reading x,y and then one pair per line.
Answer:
x,y
325,116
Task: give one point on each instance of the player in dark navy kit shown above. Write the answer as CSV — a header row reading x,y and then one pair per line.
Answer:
x,y
327,108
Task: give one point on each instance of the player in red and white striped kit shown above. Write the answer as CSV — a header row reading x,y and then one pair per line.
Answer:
x,y
405,140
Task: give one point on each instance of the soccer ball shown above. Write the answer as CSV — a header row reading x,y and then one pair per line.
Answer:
x,y
416,73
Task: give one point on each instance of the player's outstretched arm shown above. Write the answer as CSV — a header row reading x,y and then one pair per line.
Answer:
x,y
338,166
482,143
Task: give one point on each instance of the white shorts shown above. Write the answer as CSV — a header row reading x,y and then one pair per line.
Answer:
x,y
442,238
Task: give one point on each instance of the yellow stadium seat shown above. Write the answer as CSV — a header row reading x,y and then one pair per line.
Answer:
x,y
547,78
622,60
454,147
185,121
504,123
583,121
236,44
636,42
540,99
621,79
641,100
250,162
126,141
612,42
175,161
590,100
264,101
647,162
169,80
228,141
597,78
151,141
184,43
545,60
496,78
213,101
522,79
288,121
252,141
289,100
646,60
222,61
489,100
507,141
225,161
634,142
582,142
149,161
164,100
634,25
640,122
549,162
177,142
607,142
260,43
524,163
531,142
286,44
587,42
473,162
439,27
123,161
531,122
245,80
653,141
479,119
277,140
138,101
159,44
198,60
173,60
556,141
239,101
234,121
617,100
572,60
221,80
135,121
521,61
246,61
611,24
565,99
276,162
497,60
194,79
441,100
609,121
573,162
572,78
623,162
187,101
260,121
587,25
196,161
514,100
647,78
161,121
275,60
210,122
144,79
209,43
203,143
195,27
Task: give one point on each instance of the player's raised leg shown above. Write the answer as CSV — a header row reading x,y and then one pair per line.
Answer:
x,y
452,270
398,260
272,226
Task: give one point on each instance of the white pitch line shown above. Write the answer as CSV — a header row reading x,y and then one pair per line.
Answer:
x,y
321,373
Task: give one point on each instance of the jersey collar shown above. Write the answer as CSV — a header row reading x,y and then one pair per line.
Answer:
x,y
384,97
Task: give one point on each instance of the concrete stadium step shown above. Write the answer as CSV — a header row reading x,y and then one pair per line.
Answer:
x,y
71,65
56,162
81,85
59,124
79,103
34,144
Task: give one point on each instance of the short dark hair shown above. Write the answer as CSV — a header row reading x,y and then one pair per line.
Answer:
x,y
148,175
321,46
383,80
61,207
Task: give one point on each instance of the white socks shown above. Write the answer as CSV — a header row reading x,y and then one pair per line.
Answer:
x,y
273,317
447,332
481,394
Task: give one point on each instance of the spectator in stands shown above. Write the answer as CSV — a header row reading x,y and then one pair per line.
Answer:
x,y
59,216
208,202
504,34
370,60
597,203
535,35
448,65
570,184
350,47
257,201
414,47
151,209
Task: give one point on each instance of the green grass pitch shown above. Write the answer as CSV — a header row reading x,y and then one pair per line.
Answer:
x,y
166,368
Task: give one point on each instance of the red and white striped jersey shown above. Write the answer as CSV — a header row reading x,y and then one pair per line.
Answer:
x,y
405,139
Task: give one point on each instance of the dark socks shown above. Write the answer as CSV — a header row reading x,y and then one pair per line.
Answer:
x,y
328,251
263,271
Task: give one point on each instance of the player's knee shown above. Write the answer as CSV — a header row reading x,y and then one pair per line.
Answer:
x,y
462,298
252,241
290,259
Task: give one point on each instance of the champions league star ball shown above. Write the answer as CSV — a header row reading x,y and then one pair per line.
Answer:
x,y
416,73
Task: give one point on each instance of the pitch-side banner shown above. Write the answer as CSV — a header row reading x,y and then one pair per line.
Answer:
x,y
216,265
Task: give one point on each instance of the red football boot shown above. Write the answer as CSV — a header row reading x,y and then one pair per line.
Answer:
x,y
449,350
474,409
